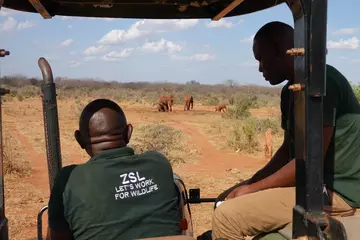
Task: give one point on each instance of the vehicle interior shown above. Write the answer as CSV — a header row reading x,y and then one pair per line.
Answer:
x,y
310,21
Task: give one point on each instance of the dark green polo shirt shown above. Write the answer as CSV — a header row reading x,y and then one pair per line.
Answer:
x,y
341,109
116,195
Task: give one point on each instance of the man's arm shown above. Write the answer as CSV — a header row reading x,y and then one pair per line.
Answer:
x,y
285,177
58,226
58,235
280,159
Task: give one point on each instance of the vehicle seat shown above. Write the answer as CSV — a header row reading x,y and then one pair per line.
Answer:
x,y
350,223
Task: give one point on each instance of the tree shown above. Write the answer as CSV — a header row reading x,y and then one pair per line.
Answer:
x,y
356,89
231,83
193,82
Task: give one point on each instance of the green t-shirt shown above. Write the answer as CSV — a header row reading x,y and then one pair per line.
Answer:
x,y
116,195
341,109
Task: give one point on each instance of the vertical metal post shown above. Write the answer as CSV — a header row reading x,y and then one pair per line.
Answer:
x,y
310,18
3,220
4,231
51,123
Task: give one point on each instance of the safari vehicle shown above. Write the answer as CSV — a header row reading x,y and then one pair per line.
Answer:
x,y
310,21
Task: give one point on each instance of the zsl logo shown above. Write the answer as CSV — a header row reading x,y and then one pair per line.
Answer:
x,y
131,177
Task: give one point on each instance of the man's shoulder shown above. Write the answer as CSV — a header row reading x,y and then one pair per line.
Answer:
x,y
333,75
64,174
155,156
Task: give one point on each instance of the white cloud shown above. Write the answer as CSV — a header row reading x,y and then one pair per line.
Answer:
x,y
66,43
161,46
6,12
8,25
93,50
346,31
222,23
89,58
118,56
70,26
26,24
351,43
73,53
200,57
74,63
64,17
146,27
248,40
240,21
80,18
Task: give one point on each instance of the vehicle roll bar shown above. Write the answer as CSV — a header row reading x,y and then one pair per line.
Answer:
x,y
4,231
51,123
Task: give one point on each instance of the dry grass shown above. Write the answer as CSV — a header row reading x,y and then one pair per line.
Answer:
x,y
18,195
15,163
244,136
137,100
164,139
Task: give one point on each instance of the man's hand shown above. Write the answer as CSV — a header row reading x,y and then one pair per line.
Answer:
x,y
240,191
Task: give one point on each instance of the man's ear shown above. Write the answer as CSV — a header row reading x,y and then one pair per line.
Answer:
x,y
128,133
79,139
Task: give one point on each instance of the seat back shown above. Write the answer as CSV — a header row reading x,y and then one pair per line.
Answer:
x,y
186,224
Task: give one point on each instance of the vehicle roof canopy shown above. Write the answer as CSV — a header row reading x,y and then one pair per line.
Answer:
x,y
150,9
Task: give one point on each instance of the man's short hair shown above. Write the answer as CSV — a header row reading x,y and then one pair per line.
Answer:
x,y
94,107
272,31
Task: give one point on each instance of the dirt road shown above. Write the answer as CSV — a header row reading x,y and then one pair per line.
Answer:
x,y
210,172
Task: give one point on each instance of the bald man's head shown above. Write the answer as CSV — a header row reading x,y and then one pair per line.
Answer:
x,y
270,45
102,126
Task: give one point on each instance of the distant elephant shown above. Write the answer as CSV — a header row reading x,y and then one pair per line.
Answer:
x,y
189,101
161,108
220,108
165,103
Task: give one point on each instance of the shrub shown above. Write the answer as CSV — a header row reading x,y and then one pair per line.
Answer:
x,y
161,138
264,124
239,111
210,101
14,159
356,89
243,136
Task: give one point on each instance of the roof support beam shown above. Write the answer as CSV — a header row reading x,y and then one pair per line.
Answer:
x,y
40,9
228,9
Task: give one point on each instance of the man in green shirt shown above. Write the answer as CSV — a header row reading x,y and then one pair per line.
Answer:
x,y
116,194
264,202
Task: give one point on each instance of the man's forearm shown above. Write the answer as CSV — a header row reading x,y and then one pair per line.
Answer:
x,y
279,160
285,177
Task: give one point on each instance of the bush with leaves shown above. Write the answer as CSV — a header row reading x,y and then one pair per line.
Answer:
x,y
243,136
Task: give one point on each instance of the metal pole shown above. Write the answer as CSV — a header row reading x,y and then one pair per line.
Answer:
x,y
3,220
51,123
4,231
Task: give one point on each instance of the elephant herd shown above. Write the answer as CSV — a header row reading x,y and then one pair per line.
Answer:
x,y
165,104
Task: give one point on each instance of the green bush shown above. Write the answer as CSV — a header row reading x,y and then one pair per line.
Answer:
x,y
243,136
264,124
210,101
356,89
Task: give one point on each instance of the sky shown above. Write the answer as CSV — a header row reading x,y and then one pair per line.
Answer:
x,y
162,50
